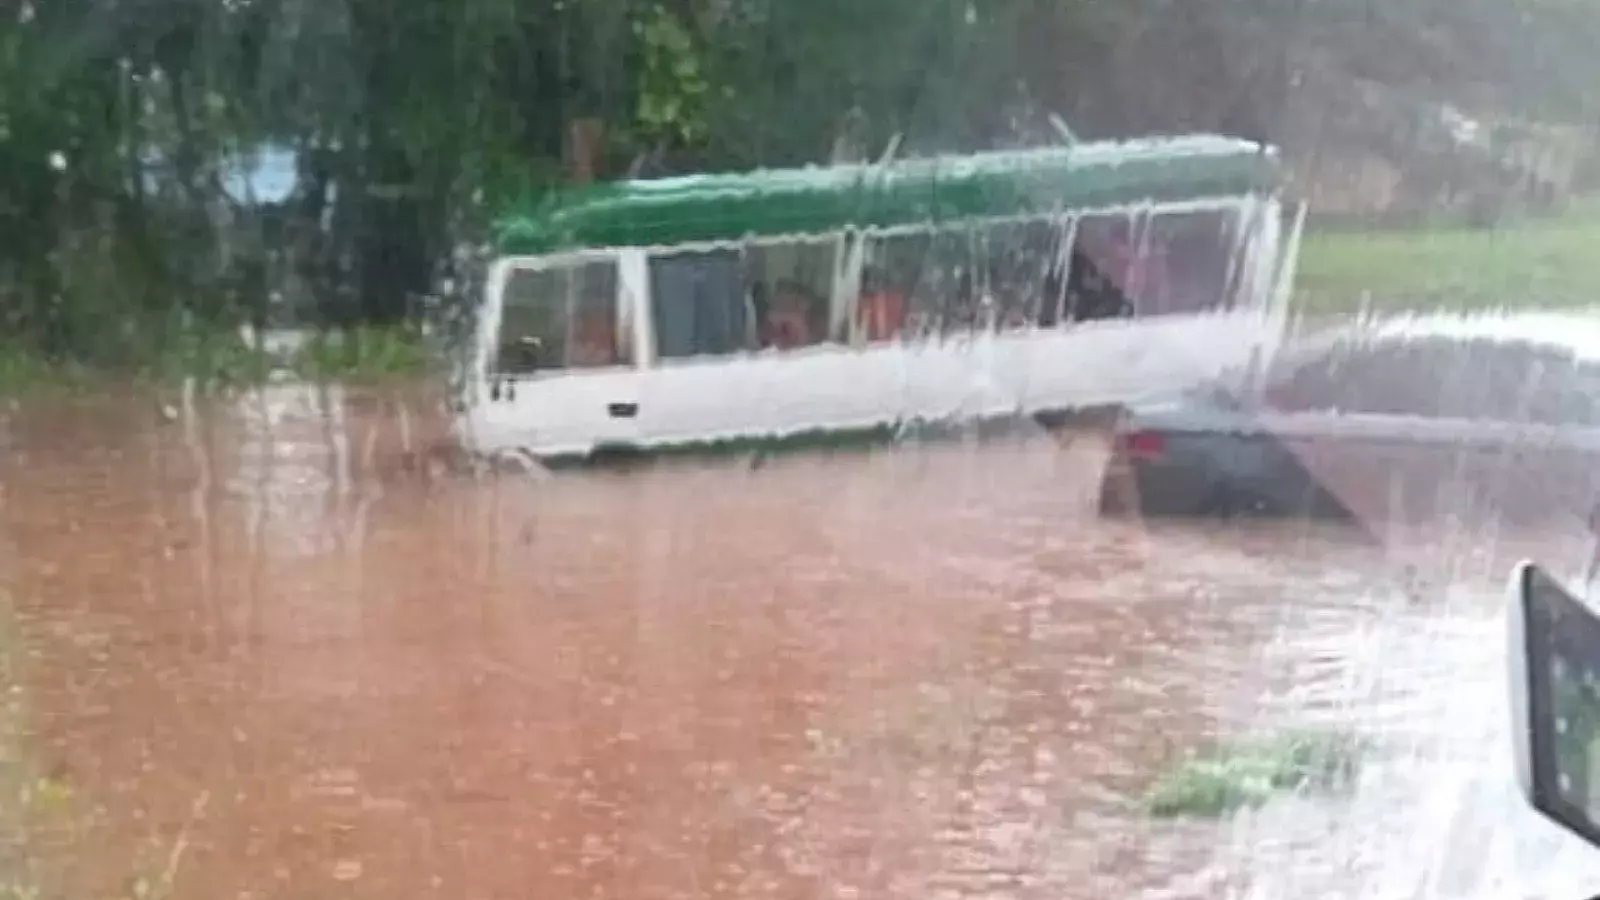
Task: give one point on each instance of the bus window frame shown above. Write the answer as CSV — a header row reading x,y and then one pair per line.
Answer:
x,y
623,312
1069,317
648,310
844,301
976,232
1138,286
1063,270
647,300
1228,289
1058,229
837,305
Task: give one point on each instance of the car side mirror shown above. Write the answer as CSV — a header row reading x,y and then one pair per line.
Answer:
x,y
1554,662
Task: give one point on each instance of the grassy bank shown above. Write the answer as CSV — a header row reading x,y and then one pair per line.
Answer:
x,y
1552,263
226,359
1546,264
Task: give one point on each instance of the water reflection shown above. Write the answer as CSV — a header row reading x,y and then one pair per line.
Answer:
x,y
268,662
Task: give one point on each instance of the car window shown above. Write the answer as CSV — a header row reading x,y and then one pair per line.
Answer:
x,y
1383,376
1558,389
1438,376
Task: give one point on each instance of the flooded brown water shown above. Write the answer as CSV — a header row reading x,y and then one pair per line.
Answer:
x,y
256,660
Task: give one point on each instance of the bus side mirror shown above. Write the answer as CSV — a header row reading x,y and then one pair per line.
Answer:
x,y
527,351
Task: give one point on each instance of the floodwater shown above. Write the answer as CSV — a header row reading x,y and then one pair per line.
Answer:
x,y
254,654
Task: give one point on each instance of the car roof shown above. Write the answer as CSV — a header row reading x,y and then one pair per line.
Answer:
x,y
1577,331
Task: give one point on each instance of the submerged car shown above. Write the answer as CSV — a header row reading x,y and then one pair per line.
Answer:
x,y
1410,419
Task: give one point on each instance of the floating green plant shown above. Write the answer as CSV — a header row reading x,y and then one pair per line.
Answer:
x,y
1249,773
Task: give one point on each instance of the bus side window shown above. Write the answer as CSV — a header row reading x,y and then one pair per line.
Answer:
x,y
891,282
1018,265
1100,278
793,280
881,311
595,336
954,264
1190,257
951,281
942,287
698,304
561,317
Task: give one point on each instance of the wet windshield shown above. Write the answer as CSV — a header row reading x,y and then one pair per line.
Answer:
x,y
712,449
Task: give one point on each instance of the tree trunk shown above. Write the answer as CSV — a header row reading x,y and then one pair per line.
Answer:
x,y
585,140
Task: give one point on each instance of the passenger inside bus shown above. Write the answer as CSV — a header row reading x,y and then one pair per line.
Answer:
x,y
1102,270
1092,293
594,341
789,321
882,312
961,310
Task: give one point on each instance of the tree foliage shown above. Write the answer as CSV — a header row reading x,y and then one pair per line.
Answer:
x,y
125,124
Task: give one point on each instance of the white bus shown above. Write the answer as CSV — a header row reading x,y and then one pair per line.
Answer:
x,y
834,303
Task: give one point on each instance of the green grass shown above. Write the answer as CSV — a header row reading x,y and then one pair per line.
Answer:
x,y
365,354
1249,773
224,359
1552,263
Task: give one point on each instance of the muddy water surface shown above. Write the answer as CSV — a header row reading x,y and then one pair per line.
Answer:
x,y
259,659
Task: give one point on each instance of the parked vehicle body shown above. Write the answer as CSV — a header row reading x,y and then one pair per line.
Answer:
x,y
686,312
1404,421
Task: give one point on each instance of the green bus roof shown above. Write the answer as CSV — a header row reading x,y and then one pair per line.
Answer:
x,y
813,200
